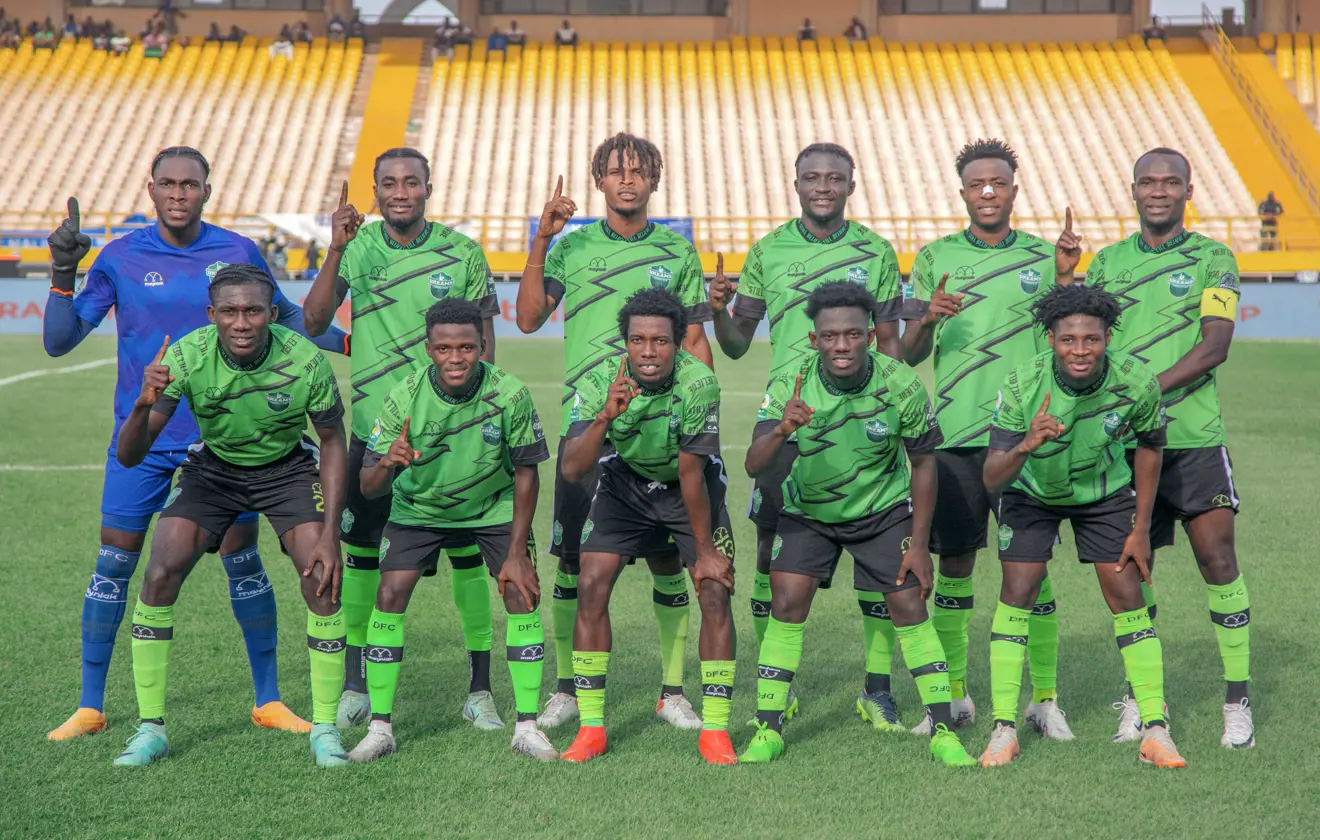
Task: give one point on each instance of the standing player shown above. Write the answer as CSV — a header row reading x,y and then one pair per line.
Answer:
x,y
396,269
853,413
652,421
1056,454
1179,292
460,440
156,281
970,302
593,270
782,270
252,387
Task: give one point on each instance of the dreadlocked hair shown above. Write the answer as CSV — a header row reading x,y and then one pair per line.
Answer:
x,y
180,152
648,157
839,294
654,303
993,148
454,311
242,275
1076,299
402,152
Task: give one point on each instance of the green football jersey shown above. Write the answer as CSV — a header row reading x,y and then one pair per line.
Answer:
x,y
850,464
994,333
788,264
682,415
1086,463
594,271
252,414
1166,293
392,287
469,447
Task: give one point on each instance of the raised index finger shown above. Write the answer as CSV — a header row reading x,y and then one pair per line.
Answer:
x,y
559,187
403,433
343,196
1044,406
943,280
797,389
161,353
75,216
623,369
1067,220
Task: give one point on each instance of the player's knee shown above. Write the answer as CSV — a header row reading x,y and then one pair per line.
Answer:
x,y
1018,590
957,565
788,608
514,603
239,538
765,542
160,585
714,602
1219,566
392,597
569,567
665,564
130,541
906,607
320,604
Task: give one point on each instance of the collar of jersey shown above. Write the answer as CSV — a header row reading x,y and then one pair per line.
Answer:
x,y
636,237
816,240
1167,246
975,241
466,395
663,388
1089,389
253,365
416,243
839,392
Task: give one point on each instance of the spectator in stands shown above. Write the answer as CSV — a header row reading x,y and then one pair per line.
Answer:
x,y
33,28
283,43
516,36
856,31
120,43
286,34
147,28
566,36
356,28
496,41
313,260
11,35
463,37
156,41
444,38
1269,211
214,35
88,28
336,28
806,32
70,30
302,33
1153,32
44,39
235,34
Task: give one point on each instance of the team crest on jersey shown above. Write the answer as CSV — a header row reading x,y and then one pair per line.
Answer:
x,y
660,276
278,401
775,546
596,264
490,433
1180,283
1029,280
574,414
586,529
797,269
908,291
858,275
384,547
675,422
877,431
174,494
557,533
1005,537
756,501
441,283
346,521
1114,424
213,269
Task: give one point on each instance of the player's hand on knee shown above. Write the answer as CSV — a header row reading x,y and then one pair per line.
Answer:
x,y
722,289
401,453
796,413
916,561
1136,550
621,393
68,244
155,377
942,304
1068,250
558,210
715,567
345,222
326,567
519,573
1043,428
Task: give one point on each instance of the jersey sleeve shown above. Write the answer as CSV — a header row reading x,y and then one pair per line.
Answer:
x,y
523,434
324,407
699,427
750,300
1148,421
1010,424
556,272
921,434
886,287
1095,272
777,395
389,420
481,283
588,399
177,362
97,295
691,289
920,286
1221,285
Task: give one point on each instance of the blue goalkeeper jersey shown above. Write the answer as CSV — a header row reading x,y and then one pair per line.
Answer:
x,y
159,290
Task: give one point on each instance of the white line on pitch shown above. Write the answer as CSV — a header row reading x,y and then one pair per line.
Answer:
x,y
33,374
49,468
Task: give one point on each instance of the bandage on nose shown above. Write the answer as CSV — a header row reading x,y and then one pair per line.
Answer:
x,y
987,191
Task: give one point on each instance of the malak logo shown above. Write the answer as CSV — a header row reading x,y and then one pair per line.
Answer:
x,y
278,401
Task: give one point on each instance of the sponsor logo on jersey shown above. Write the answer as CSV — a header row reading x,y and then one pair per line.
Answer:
x,y
905,545
153,279
964,274
490,433
858,275
1005,537
712,420
214,393
797,269
432,427
660,276
441,283
174,494
538,432
877,431
596,264
1113,423
1220,500
586,529
213,269
1029,280
278,401
1180,283
346,521
557,533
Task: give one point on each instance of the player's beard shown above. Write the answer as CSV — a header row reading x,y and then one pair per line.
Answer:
x,y
399,226
630,213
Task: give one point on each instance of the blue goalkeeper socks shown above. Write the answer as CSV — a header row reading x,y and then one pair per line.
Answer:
x,y
253,600
103,610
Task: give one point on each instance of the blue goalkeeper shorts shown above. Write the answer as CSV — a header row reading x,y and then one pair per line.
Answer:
x,y
131,496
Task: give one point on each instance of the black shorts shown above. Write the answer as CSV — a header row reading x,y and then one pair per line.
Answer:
x,y
412,547
635,517
1192,482
1029,530
364,519
877,544
212,493
962,504
572,505
767,500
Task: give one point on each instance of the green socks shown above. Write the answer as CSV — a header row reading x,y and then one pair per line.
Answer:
x,y
925,661
384,659
589,674
1230,610
1043,645
781,653
1143,660
524,640
358,596
1008,650
716,693
1148,595
670,600
760,605
325,649
153,628
878,632
951,615
563,611
472,596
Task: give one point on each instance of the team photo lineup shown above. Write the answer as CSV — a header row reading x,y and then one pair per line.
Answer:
x,y
1054,395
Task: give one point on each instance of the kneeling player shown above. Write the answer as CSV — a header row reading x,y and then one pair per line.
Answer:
x,y
251,385
654,417
849,488
459,441
1056,453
